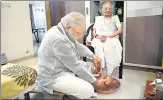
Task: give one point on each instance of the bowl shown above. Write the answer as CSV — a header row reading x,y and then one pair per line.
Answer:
x,y
112,85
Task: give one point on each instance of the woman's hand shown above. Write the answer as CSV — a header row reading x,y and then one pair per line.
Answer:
x,y
103,38
110,36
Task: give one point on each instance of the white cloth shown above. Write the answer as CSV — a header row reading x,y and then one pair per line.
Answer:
x,y
109,52
72,85
107,26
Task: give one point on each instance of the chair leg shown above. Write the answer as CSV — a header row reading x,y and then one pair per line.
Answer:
x,y
69,97
121,71
65,97
84,59
17,98
26,96
61,97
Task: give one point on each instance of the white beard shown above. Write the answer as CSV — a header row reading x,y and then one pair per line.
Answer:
x,y
74,36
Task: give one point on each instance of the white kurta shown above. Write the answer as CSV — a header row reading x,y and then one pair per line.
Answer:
x,y
59,66
109,51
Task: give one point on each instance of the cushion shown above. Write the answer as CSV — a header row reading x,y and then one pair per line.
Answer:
x,y
4,59
15,79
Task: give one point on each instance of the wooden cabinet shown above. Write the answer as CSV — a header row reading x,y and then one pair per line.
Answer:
x,y
144,40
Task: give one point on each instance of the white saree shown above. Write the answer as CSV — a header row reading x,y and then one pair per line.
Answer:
x,y
109,51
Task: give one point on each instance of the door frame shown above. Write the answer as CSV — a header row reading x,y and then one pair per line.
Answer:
x,y
48,15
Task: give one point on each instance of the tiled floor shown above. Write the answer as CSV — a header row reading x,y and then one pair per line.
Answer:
x,y
132,84
36,47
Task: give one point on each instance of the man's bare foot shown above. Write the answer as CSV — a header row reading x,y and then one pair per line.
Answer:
x,y
109,80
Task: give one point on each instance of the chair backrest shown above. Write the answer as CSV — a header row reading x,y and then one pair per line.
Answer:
x,y
90,28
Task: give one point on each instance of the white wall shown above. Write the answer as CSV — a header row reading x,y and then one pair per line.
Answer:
x,y
87,5
133,5
39,14
16,33
144,8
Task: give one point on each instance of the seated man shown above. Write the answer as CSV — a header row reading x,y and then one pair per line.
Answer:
x,y
59,64
106,41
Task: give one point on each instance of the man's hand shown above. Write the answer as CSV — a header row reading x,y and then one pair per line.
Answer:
x,y
97,63
102,82
102,75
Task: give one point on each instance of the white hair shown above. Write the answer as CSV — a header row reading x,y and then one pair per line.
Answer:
x,y
69,20
105,2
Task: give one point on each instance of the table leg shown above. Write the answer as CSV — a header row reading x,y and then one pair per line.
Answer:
x,y
26,96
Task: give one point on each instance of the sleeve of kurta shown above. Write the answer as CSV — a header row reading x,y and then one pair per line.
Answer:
x,y
117,21
64,52
84,51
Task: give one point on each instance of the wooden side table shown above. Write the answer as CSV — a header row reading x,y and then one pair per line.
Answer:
x,y
149,88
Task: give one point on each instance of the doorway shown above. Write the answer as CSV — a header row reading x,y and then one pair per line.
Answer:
x,y
38,23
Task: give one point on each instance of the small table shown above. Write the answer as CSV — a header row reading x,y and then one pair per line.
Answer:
x,y
148,88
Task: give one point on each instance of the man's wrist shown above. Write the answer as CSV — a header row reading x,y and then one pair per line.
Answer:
x,y
93,56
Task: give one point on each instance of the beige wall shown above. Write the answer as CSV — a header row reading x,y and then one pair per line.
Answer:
x,y
16,33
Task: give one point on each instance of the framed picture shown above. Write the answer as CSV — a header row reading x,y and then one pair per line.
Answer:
x,y
119,9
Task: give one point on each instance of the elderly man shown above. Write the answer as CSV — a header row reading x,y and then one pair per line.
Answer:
x,y
105,41
59,64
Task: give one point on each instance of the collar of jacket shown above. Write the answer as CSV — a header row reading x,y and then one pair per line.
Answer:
x,y
68,35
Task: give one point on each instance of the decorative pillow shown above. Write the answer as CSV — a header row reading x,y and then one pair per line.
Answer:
x,y
4,59
15,79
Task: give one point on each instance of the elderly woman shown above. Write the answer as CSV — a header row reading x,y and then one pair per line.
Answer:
x,y
59,64
105,42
